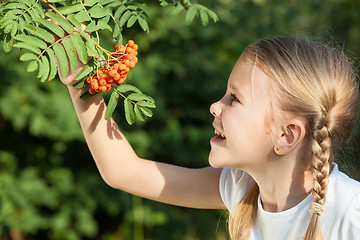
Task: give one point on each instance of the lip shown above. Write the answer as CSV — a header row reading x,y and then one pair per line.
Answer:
x,y
219,137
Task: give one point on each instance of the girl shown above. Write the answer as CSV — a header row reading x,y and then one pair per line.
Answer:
x,y
288,106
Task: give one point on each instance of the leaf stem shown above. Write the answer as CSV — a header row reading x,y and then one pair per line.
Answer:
x,y
53,8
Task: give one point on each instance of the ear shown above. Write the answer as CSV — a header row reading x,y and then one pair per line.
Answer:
x,y
290,137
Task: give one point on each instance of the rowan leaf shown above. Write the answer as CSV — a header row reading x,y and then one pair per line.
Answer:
x,y
32,66
143,24
61,21
113,101
68,9
90,45
131,21
75,22
39,32
28,47
146,104
53,66
190,15
125,17
139,113
204,17
82,16
80,47
127,87
92,27
52,26
7,45
45,68
28,57
146,111
129,111
90,3
31,40
85,72
98,11
62,58
119,12
71,53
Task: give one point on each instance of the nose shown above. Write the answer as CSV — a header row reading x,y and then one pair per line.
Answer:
x,y
216,109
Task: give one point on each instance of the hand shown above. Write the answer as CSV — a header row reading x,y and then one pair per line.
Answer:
x,y
69,80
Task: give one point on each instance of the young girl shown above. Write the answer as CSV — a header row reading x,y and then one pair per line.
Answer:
x,y
288,106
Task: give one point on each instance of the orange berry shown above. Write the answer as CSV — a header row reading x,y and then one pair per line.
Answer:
x,y
127,69
127,62
135,53
95,85
116,77
131,43
88,79
122,67
102,82
121,81
121,48
108,87
116,66
129,50
135,47
102,88
132,64
130,56
136,60
92,91
112,73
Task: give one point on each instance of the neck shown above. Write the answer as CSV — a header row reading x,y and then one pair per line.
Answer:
x,y
283,183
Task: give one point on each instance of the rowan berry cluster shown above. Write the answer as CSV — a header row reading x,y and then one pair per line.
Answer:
x,y
120,61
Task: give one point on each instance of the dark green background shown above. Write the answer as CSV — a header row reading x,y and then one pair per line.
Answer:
x,y
49,185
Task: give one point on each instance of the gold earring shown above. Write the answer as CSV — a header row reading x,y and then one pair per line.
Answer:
x,y
277,149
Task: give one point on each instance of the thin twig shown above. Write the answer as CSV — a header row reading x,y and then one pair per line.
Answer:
x,y
53,8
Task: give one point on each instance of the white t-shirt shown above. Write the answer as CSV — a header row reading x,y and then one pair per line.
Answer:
x,y
339,221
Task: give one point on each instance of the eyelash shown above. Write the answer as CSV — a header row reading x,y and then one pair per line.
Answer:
x,y
234,98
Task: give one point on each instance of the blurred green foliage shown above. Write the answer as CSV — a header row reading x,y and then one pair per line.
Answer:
x,y
49,185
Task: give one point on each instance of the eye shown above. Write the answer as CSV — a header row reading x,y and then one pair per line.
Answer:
x,y
234,98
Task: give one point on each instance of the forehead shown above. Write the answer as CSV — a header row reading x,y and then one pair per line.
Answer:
x,y
248,79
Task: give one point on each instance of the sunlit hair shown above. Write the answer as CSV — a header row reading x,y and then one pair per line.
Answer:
x,y
314,82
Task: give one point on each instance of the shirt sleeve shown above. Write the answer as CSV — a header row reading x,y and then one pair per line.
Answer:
x,y
351,226
234,184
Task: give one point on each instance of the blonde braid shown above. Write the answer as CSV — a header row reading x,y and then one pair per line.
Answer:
x,y
321,166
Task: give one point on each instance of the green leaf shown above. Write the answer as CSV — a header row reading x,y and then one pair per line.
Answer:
x,y
190,15
113,101
213,15
90,45
45,69
75,22
28,47
16,6
80,47
146,104
82,16
143,24
68,9
62,58
131,21
103,25
127,87
129,112
34,41
104,2
80,84
53,66
39,32
32,66
204,17
14,29
9,27
90,3
52,26
125,17
139,113
61,21
7,45
176,10
98,11
28,57
140,97
71,53
119,12
92,27
85,72
146,111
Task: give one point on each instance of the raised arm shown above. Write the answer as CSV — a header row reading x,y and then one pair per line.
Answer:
x,y
122,169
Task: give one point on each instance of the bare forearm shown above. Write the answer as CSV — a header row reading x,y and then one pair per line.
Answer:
x,y
107,144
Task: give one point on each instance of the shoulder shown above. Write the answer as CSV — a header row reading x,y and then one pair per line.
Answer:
x,y
342,206
233,184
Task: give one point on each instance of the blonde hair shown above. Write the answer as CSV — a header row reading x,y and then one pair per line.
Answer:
x,y
317,83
